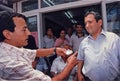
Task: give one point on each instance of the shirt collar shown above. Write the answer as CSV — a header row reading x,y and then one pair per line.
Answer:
x,y
8,46
102,33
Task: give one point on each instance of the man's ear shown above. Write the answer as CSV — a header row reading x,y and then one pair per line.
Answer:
x,y
7,34
100,22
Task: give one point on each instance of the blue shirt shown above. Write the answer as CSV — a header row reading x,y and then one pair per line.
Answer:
x,y
101,56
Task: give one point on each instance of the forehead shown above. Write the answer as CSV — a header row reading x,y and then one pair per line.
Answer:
x,y
78,26
90,16
19,21
49,29
62,31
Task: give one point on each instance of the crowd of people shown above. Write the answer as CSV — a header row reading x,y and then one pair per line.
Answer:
x,y
95,57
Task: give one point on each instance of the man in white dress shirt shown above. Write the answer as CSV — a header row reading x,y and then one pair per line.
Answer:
x,y
99,52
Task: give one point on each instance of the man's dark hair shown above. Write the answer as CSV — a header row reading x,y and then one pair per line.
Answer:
x,y
78,24
96,15
7,23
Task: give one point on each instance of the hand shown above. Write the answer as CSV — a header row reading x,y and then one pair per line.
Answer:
x,y
61,51
72,60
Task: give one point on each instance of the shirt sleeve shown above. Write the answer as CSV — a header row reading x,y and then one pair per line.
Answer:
x,y
80,53
70,41
44,40
22,71
118,49
31,54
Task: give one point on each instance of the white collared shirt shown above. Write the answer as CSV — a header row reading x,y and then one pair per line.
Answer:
x,y
58,66
75,41
101,62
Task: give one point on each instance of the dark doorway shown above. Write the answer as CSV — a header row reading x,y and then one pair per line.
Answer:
x,y
67,18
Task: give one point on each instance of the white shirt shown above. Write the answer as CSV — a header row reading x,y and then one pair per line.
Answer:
x,y
68,37
101,62
75,41
58,66
16,64
48,42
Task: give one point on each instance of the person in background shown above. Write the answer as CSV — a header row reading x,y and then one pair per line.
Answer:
x,y
77,37
42,65
99,52
48,42
16,61
59,64
61,41
69,33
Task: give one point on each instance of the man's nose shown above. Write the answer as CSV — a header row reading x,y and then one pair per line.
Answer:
x,y
86,25
28,32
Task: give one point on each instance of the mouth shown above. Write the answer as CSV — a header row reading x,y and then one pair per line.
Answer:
x,y
27,40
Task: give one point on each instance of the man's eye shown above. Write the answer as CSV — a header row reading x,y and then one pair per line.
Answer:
x,y
24,30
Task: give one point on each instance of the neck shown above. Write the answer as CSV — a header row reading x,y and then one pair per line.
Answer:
x,y
49,36
62,37
80,34
96,34
11,43
70,34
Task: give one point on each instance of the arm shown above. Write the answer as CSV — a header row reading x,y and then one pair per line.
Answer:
x,y
80,75
72,61
49,51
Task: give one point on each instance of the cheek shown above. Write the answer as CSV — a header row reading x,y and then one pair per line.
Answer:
x,y
19,38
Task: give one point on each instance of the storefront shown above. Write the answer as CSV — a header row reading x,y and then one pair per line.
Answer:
x,y
45,13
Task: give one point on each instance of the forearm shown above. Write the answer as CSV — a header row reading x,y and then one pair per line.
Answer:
x,y
44,52
80,66
63,74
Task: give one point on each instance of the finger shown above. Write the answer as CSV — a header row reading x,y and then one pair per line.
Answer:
x,y
75,54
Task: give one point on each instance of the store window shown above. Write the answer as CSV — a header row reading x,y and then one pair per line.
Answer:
x,y
32,23
29,5
47,3
113,17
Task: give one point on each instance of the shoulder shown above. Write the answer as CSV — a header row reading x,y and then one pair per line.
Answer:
x,y
84,42
45,37
57,59
58,39
73,36
111,35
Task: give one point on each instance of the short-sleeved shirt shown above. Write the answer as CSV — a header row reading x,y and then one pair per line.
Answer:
x,y
68,37
48,42
16,64
58,66
100,56
75,41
